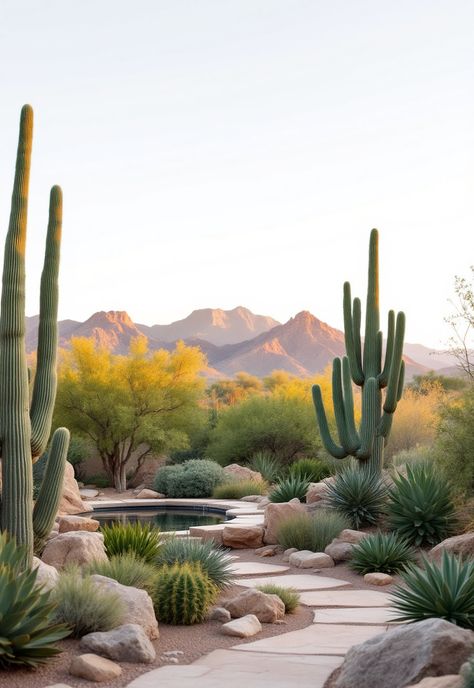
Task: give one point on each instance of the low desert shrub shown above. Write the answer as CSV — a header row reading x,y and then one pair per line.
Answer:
x,y
84,607
444,591
183,594
289,488
139,539
381,552
214,561
100,480
313,532
195,478
359,495
411,457
420,507
126,569
267,465
235,489
289,596
313,470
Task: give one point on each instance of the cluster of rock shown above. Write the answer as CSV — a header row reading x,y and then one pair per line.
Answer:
x,y
242,616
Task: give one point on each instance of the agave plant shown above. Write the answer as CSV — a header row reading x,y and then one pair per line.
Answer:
x,y
289,488
358,494
267,465
420,506
382,552
27,628
139,539
444,590
215,562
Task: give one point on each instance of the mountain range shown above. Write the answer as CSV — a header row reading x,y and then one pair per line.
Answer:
x,y
235,340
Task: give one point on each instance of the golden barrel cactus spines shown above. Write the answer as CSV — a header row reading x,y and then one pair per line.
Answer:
x,y
363,366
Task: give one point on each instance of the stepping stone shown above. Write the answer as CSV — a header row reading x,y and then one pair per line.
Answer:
x,y
232,669
296,581
250,568
318,639
345,598
354,615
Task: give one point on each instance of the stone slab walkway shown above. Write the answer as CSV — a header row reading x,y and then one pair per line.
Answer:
x,y
297,581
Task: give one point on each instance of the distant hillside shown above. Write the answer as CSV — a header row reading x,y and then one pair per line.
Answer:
x,y
432,359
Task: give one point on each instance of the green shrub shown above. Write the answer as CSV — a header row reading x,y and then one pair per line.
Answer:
x,y
126,569
311,532
100,480
359,495
382,552
444,590
267,465
289,488
196,478
215,562
313,470
139,539
289,596
455,442
236,489
27,626
183,594
79,450
420,506
84,607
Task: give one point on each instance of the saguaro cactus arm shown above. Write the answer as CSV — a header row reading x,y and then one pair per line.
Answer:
x,y
49,496
335,450
352,319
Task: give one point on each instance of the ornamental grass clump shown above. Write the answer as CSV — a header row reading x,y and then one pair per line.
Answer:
x,y
28,629
294,486
139,539
126,569
183,594
214,561
312,532
358,494
236,489
420,506
267,465
289,596
313,470
444,591
381,552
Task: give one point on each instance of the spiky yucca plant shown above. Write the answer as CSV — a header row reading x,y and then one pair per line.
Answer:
x,y
27,628
267,465
420,506
359,495
289,488
183,594
444,591
140,539
214,561
381,552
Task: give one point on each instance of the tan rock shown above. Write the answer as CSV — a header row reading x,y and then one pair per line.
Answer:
x,y
462,545
275,514
237,472
71,502
94,668
316,492
70,523
449,681
268,551
352,536
47,576
242,537
76,547
126,643
149,494
339,550
267,608
213,533
304,559
219,614
376,578
245,627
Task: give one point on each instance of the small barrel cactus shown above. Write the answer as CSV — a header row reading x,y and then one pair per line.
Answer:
x,y
183,594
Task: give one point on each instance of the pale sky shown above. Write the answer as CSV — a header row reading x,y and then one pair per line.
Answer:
x,y
216,153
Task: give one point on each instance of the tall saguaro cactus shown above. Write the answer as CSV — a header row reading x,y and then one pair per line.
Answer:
x,y
24,431
364,368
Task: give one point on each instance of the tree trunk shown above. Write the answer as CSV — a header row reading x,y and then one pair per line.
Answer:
x,y
120,477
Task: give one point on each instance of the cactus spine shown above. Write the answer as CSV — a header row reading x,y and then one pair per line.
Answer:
x,y
183,594
24,433
364,368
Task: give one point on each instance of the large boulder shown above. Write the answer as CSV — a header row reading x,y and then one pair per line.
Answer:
x,y
47,576
138,604
71,501
236,472
339,550
267,608
242,537
406,654
275,514
77,547
462,545
305,559
316,492
70,523
127,643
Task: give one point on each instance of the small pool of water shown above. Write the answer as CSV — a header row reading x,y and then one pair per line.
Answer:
x,y
164,519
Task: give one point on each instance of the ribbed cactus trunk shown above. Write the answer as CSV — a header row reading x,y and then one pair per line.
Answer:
x,y
365,370
25,433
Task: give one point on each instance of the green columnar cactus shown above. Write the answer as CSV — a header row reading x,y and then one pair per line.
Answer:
x,y
24,433
365,370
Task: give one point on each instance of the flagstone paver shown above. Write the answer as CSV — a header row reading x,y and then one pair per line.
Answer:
x,y
354,615
251,568
297,581
345,598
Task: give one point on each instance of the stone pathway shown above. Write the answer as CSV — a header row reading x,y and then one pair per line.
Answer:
x,y
303,658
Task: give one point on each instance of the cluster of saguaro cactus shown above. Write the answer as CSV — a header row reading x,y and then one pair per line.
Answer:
x,y
25,430
363,366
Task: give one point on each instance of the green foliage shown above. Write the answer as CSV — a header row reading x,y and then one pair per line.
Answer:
x,y
415,455
196,478
183,594
313,532
444,590
79,450
215,562
420,507
84,607
280,425
289,596
126,569
289,488
381,552
99,480
27,626
455,442
138,539
236,489
420,383
359,495
267,465
312,469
